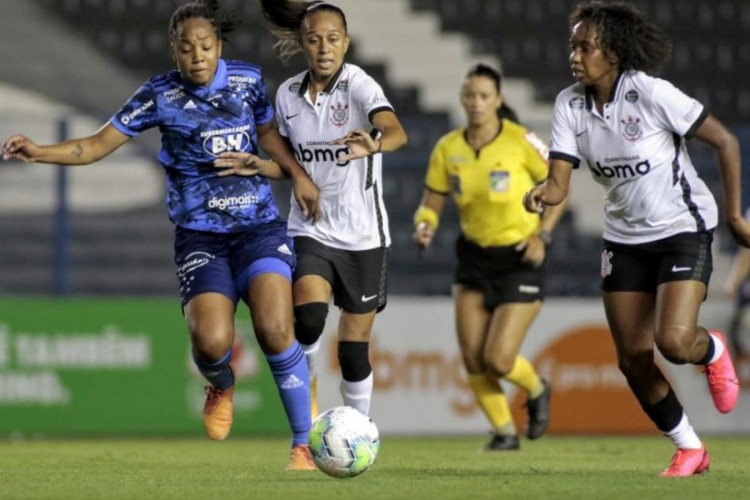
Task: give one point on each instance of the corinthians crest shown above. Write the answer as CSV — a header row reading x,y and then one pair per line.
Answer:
x,y
632,131
339,114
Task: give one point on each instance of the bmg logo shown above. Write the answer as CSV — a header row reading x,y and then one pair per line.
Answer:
x,y
221,143
321,155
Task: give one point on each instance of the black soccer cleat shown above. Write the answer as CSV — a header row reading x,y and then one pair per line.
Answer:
x,y
503,442
539,412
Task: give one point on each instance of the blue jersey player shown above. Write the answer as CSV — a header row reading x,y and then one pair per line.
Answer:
x,y
230,241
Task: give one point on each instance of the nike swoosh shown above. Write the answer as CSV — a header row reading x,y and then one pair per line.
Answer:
x,y
289,117
580,133
367,299
676,269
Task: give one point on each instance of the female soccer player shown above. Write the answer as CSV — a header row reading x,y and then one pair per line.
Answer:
x,y
338,122
230,241
629,129
499,283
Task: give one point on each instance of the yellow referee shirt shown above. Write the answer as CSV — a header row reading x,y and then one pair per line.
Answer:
x,y
488,185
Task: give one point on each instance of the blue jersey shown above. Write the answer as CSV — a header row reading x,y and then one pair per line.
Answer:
x,y
198,123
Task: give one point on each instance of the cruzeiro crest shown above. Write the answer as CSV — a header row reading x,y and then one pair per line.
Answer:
x,y
339,114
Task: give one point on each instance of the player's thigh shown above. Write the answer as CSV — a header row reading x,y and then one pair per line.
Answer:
x,y
356,327
677,307
508,327
631,320
472,322
314,274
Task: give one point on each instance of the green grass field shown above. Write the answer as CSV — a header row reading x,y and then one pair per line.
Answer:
x,y
606,468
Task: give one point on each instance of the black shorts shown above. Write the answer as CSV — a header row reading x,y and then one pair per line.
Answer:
x,y
642,268
499,273
358,278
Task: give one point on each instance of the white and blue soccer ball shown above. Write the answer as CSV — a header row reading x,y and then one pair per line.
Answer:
x,y
344,442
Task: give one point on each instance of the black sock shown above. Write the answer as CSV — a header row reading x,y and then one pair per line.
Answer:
x,y
667,413
709,352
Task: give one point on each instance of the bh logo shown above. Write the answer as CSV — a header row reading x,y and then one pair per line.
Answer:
x,y
221,143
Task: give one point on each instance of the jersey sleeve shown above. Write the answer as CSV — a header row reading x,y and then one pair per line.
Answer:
x,y
563,144
536,154
437,178
262,107
139,113
281,113
675,110
369,95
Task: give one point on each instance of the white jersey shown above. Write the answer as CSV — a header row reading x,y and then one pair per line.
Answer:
x,y
636,150
353,212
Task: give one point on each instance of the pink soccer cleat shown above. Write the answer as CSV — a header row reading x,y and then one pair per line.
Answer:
x,y
686,462
722,379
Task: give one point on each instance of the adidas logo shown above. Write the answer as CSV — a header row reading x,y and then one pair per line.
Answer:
x,y
284,249
292,382
190,105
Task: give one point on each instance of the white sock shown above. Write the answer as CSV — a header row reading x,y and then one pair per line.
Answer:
x,y
683,436
311,354
718,347
358,394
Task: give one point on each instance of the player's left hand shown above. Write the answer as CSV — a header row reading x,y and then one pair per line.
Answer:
x,y
243,164
360,144
534,250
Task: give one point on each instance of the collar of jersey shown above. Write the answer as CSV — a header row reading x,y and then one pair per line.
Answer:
x,y
612,95
329,88
219,81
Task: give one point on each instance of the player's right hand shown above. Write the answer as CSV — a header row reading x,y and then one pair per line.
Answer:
x,y
19,147
533,201
423,235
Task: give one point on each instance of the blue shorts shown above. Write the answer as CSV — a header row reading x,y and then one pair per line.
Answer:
x,y
227,263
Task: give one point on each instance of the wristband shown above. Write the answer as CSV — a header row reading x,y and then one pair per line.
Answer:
x,y
426,215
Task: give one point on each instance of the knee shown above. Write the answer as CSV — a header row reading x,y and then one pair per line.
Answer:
x,y
210,340
499,365
309,322
675,343
354,359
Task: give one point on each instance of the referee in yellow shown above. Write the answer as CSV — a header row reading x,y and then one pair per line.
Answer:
x,y
499,282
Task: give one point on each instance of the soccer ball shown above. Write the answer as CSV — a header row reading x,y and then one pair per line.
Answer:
x,y
344,442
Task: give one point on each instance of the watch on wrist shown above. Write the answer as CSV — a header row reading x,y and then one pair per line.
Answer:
x,y
545,236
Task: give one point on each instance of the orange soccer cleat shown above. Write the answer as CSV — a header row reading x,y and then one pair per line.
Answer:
x,y
217,412
301,458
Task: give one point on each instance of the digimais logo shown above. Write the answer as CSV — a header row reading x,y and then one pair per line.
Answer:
x,y
321,155
232,201
622,171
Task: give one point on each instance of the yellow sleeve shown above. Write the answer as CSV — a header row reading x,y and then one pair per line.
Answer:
x,y
537,154
437,172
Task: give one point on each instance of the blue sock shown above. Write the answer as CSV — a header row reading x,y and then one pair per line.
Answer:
x,y
289,369
218,373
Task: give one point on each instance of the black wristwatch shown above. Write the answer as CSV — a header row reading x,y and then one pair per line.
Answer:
x,y
545,236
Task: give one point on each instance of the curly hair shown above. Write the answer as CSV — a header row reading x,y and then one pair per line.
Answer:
x,y
624,31
223,21
284,18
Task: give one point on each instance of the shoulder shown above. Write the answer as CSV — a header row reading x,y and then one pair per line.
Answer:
x,y
356,76
450,139
292,85
243,73
572,97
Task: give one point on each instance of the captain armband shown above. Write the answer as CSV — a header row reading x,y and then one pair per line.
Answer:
x,y
426,215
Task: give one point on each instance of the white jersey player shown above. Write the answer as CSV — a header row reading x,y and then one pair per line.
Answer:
x,y
353,213
629,129
338,122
